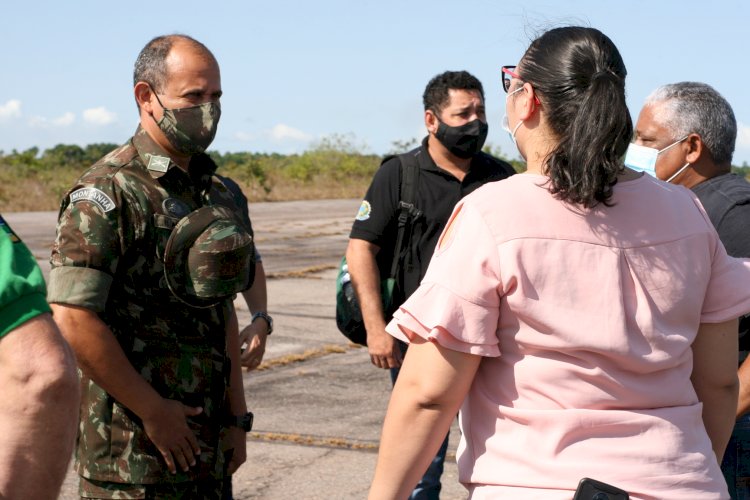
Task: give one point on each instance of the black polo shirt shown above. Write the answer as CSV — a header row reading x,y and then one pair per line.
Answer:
x,y
437,194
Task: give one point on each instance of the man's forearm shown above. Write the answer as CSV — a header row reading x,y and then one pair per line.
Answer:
x,y
101,358
365,276
363,268
256,297
237,404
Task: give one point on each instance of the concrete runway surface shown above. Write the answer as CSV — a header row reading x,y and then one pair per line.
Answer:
x,y
318,402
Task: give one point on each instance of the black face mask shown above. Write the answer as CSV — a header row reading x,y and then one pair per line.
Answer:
x,y
464,141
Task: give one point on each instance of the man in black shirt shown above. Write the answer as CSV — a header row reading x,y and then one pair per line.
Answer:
x,y
700,124
451,165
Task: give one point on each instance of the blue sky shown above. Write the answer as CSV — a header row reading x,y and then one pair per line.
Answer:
x,y
296,71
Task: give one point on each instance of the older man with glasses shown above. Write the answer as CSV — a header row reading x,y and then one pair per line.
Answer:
x,y
689,130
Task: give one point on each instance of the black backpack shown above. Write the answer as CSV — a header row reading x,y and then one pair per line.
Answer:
x,y
348,314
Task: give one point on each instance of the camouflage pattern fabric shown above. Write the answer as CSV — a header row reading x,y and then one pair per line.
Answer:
x,y
208,256
108,257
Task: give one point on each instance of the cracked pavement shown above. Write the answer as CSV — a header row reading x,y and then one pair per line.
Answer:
x,y
317,408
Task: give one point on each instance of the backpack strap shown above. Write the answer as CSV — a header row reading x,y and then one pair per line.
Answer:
x,y
407,211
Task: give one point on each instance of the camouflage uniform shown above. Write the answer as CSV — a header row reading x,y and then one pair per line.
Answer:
x,y
108,257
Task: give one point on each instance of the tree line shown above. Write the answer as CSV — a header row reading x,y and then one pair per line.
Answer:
x,y
333,167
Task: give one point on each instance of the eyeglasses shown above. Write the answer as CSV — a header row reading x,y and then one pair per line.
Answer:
x,y
508,72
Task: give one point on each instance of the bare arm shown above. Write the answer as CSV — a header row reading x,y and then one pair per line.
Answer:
x,y
237,405
363,268
101,358
715,381
255,334
431,386
39,410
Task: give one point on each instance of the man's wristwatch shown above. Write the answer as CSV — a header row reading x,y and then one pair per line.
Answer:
x,y
265,316
244,422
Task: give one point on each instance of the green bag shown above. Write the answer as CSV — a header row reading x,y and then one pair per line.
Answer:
x,y
348,314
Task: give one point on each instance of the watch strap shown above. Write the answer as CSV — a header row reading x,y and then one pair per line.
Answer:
x,y
265,316
244,422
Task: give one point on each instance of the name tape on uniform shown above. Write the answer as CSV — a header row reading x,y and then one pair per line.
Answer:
x,y
95,196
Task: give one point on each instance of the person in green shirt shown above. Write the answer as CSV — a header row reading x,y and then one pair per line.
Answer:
x,y
39,407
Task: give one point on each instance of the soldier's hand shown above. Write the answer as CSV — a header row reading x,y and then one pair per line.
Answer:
x,y
254,335
237,444
167,427
384,350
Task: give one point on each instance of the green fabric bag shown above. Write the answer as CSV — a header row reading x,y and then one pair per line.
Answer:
x,y
348,313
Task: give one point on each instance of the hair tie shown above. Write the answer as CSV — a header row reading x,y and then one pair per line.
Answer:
x,y
605,73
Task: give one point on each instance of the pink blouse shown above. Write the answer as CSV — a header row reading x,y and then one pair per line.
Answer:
x,y
585,319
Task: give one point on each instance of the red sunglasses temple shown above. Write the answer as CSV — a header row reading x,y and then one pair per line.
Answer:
x,y
511,73
514,75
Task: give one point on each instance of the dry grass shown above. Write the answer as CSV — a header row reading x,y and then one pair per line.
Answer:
x,y
325,442
301,273
307,440
316,189
43,192
308,354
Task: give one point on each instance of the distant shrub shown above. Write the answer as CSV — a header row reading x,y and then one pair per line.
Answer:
x,y
337,166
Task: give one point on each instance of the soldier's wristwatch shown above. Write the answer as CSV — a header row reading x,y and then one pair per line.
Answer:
x,y
244,422
265,316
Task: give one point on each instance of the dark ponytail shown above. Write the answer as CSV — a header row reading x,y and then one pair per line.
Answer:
x,y
580,78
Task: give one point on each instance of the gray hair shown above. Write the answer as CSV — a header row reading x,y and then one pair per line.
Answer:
x,y
151,66
697,108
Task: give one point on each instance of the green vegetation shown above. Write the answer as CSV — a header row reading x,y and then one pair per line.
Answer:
x,y
743,170
334,167
30,180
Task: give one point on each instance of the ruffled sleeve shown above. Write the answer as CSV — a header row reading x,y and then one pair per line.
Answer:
x,y
458,303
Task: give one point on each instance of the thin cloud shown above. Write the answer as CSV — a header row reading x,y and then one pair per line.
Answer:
x,y
11,109
64,120
283,132
245,136
99,116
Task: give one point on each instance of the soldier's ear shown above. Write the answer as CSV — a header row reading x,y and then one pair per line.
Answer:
x,y
143,96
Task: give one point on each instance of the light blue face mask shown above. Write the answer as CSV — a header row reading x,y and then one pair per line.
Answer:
x,y
643,159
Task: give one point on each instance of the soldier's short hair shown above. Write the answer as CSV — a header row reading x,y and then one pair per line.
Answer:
x,y
151,66
697,108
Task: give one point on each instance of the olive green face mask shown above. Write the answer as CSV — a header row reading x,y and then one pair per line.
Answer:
x,y
190,130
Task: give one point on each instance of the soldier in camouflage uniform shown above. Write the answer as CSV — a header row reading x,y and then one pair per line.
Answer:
x,y
147,259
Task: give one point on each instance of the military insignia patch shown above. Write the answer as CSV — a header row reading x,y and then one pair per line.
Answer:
x,y
95,196
158,163
364,211
175,208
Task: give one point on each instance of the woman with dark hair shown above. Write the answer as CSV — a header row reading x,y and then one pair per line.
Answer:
x,y
582,336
